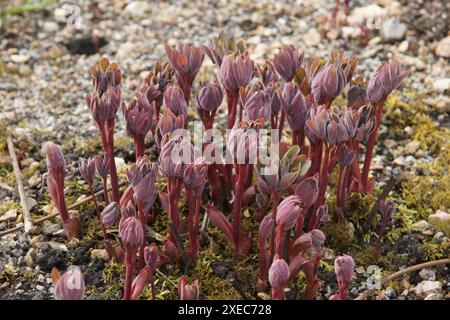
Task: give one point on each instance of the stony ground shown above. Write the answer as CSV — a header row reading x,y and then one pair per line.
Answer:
x,y
44,76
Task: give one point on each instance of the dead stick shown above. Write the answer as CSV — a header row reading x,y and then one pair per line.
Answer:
x,y
397,274
23,196
44,218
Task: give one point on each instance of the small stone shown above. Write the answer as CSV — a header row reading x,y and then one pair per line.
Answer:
x,y
441,85
120,163
60,15
328,254
392,30
443,47
25,70
31,203
411,61
427,274
57,246
10,215
438,235
312,37
434,296
428,287
100,254
403,46
30,257
51,228
421,225
50,26
19,58
36,239
441,103
138,8
34,180
412,147
40,288
439,218
350,229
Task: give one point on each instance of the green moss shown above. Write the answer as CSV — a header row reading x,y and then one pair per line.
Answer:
x,y
433,251
9,205
338,237
424,194
211,286
112,278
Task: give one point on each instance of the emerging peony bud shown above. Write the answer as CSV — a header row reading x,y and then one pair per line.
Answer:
x,y
131,232
278,273
194,176
330,80
142,177
209,96
168,123
288,212
287,62
55,160
138,116
256,103
174,100
387,77
344,266
151,256
308,190
105,75
185,60
235,72
102,166
294,106
242,141
110,214
322,214
317,242
175,154
87,169
267,74
104,108
187,291
70,286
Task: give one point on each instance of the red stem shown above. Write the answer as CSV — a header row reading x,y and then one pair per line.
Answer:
x,y
97,209
105,190
371,145
237,206
130,261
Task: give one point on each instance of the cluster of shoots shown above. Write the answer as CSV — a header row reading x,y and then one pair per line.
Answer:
x,y
290,95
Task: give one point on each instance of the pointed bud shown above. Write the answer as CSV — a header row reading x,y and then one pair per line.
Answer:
x,y
131,232
344,266
110,214
70,286
187,291
87,169
278,273
288,212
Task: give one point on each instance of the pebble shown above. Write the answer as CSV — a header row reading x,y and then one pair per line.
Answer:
x,y
30,257
427,274
100,254
51,228
428,287
443,47
120,164
441,85
440,217
57,246
434,296
138,8
392,30
10,215
420,225
50,26
412,147
312,37
19,58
